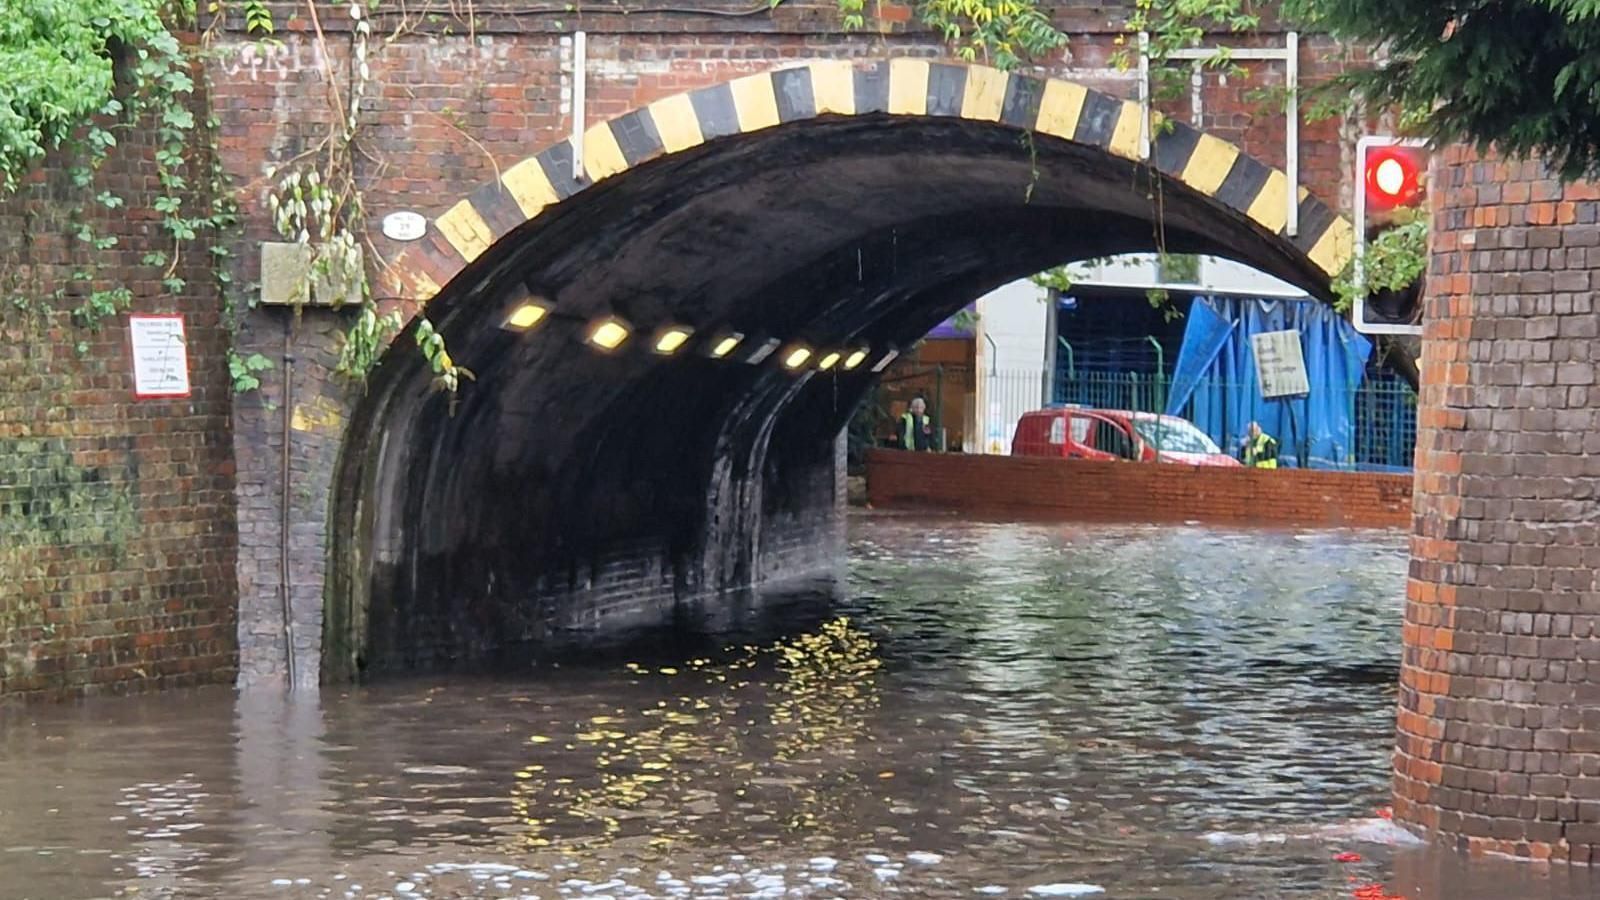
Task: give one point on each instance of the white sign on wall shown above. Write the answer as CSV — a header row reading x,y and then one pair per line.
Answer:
x,y
404,226
160,356
1280,365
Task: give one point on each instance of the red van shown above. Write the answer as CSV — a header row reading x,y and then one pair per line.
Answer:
x,y
1081,433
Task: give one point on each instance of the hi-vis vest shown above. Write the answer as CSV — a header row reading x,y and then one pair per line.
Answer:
x,y
910,437
1257,449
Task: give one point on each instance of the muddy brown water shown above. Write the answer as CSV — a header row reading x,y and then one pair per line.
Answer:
x,y
991,710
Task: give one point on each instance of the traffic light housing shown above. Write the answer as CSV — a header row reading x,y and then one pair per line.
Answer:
x,y
1393,193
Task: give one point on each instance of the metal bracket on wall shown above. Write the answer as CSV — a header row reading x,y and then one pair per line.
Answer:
x,y
580,99
1289,55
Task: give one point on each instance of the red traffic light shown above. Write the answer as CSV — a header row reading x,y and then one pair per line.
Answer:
x,y
1394,177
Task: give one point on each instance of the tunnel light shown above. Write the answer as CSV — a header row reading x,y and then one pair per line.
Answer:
x,y
608,334
527,315
670,339
762,352
883,363
855,359
796,356
829,361
726,344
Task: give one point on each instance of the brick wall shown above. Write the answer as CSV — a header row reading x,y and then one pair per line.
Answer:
x,y
614,594
1499,724
1129,492
117,533
805,536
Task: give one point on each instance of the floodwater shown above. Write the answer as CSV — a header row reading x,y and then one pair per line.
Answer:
x,y
994,710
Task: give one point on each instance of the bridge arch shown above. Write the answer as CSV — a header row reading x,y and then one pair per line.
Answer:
x,y
832,205
1050,108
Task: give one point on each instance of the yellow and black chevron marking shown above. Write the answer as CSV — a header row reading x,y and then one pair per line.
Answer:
x,y
901,87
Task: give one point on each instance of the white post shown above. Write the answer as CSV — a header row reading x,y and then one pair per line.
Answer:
x,y
1144,95
1197,89
580,75
1291,132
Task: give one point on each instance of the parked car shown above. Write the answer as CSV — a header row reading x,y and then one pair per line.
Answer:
x,y
1080,433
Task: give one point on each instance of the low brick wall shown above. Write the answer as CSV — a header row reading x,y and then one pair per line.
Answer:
x,y
1115,491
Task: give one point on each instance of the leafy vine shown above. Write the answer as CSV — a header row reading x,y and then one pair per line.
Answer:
x,y
1397,257
1392,263
1003,33
77,73
316,202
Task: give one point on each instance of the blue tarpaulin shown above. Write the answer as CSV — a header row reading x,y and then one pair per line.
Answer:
x,y
1215,378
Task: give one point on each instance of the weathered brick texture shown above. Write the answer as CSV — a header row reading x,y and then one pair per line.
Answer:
x,y
117,533
1127,492
1499,724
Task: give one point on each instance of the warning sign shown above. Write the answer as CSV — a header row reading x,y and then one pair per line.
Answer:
x,y
1280,364
160,356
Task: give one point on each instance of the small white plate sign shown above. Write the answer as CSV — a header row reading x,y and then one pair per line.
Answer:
x,y
404,226
160,356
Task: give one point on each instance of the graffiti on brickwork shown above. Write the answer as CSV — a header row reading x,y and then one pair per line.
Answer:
x,y
257,60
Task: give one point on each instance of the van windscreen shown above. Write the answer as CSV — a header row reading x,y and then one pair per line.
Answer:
x,y
1174,436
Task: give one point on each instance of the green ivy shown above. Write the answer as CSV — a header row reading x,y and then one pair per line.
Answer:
x,y
366,339
1174,25
1002,33
60,62
447,374
1058,279
1393,261
245,369
1397,257
57,74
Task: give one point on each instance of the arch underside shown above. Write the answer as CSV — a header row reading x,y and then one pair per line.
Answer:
x,y
569,492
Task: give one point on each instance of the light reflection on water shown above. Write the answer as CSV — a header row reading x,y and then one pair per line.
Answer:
x,y
1162,712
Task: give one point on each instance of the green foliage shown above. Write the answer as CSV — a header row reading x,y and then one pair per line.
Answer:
x,y
1058,279
101,304
1179,268
317,203
258,18
245,369
1520,75
60,62
365,341
1393,261
57,73
447,375
1174,25
1002,33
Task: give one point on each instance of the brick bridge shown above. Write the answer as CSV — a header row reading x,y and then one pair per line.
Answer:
x,y
768,176
764,175
761,174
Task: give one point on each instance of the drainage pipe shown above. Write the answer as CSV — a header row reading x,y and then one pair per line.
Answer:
x,y
283,525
